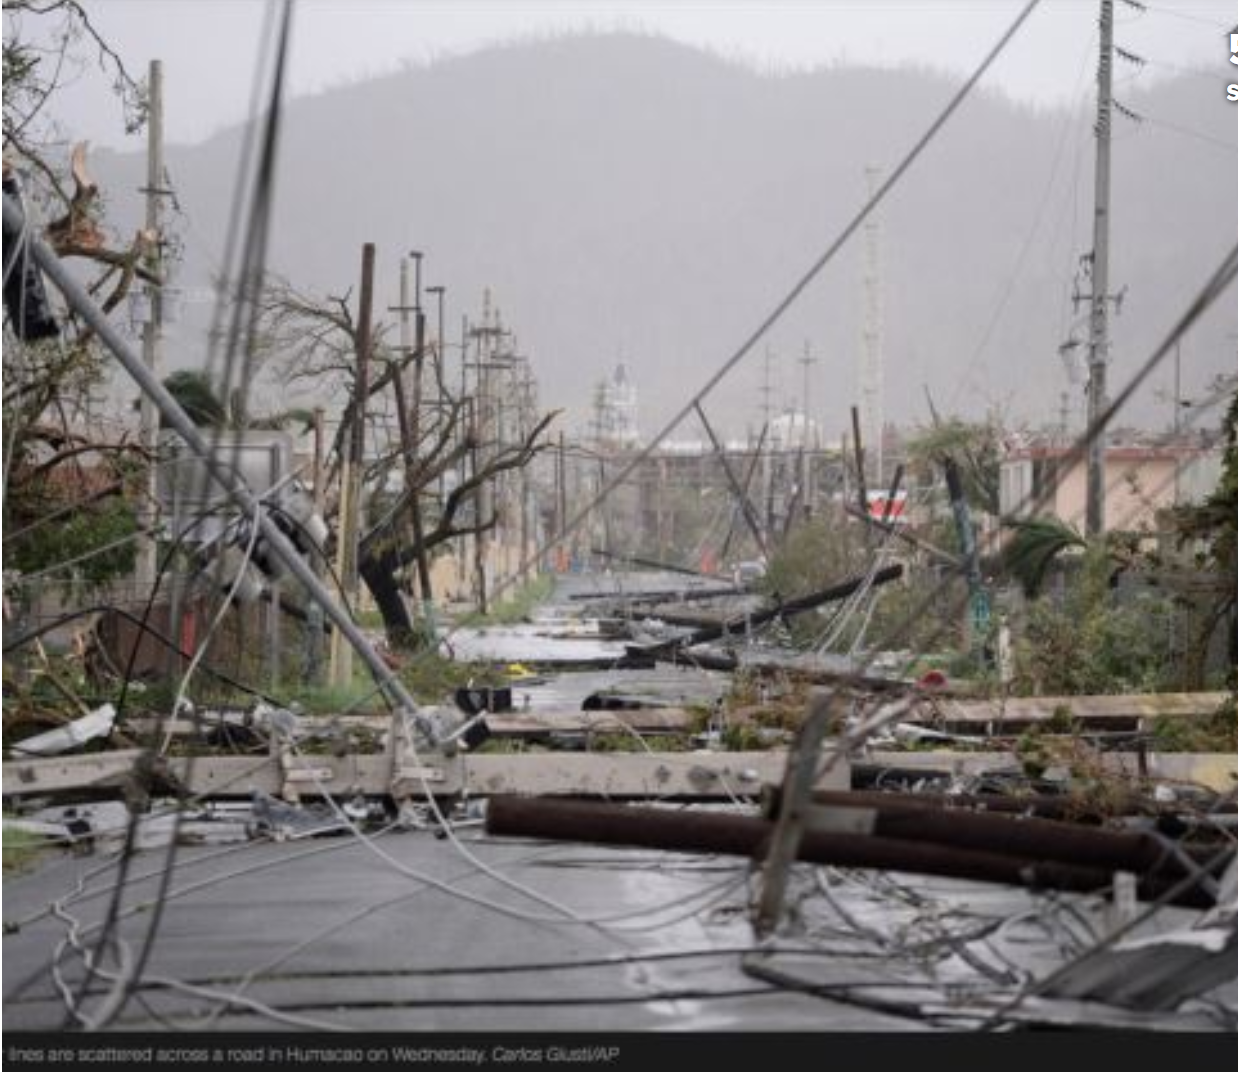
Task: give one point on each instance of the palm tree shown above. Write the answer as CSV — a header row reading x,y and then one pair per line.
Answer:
x,y
196,395
195,392
1036,544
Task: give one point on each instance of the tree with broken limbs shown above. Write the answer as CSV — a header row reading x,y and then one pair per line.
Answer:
x,y
316,338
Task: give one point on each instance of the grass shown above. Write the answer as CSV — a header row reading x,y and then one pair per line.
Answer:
x,y
517,608
360,693
430,677
433,679
21,849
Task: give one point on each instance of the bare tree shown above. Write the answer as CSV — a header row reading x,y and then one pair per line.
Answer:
x,y
315,339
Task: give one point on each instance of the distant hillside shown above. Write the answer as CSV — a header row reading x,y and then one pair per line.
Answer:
x,y
627,197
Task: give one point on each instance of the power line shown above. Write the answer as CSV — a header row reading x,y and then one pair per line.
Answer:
x,y
796,290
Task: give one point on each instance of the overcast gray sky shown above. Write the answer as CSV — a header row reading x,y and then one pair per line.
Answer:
x,y
210,47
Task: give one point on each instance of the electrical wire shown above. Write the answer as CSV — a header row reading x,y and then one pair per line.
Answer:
x,y
876,198
1189,132
1038,218
566,915
224,606
113,1008
255,251
1184,15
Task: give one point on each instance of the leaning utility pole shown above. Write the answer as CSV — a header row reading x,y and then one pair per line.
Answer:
x,y
225,475
1098,342
741,496
147,567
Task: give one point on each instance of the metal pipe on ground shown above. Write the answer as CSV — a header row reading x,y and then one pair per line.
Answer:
x,y
1038,839
711,832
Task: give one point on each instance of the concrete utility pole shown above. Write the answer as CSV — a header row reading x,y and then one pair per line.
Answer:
x,y
440,368
440,345
419,353
806,447
352,471
1098,342
872,361
147,566
409,419
767,460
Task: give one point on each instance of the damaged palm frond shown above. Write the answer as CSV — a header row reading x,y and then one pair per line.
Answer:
x,y
1036,545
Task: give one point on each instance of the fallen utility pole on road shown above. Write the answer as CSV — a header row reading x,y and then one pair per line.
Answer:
x,y
787,609
736,835
1040,839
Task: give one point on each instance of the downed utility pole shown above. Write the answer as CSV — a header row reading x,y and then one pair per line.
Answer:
x,y
1063,807
788,609
224,474
1041,839
910,538
634,560
738,835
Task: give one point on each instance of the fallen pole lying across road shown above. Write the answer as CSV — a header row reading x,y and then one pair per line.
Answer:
x,y
712,832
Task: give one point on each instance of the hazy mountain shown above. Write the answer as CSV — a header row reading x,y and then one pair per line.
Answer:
x,y
630,198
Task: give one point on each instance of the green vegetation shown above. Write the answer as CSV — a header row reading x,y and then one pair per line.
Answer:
x,y
1091,643
975,446
359,695
631,742
1218,732
1212,527
907,613
21,849
81,533
1036,545
517,607
432,679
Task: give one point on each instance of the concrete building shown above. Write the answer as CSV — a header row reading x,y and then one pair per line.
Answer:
x,y
1140,480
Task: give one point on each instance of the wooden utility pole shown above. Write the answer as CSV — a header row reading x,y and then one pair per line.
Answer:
x,y
352,470
412,349
1098,342
861,485
317,470
561,500
147,566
